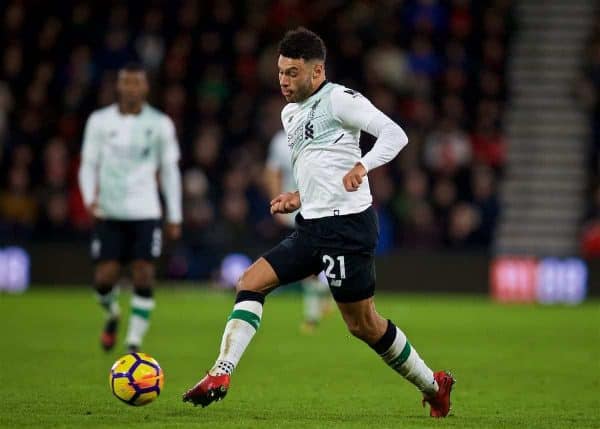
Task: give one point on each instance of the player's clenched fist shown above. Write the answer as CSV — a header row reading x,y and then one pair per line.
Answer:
x,y
353,178
287,202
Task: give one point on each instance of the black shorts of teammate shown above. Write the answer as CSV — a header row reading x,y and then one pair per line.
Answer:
x,y
341,246
126,240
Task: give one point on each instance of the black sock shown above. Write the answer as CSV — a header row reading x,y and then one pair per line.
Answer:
x,y
105,297
143,292
103,289
386,341
249,295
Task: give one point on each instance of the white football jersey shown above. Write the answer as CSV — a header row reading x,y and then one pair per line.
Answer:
x,y
126,152
323,134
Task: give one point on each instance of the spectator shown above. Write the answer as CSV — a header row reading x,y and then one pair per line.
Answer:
x,y
54,224
18,206
447,149
445,196
488,145
6,105
383,191
463,225
414,192
387,64
214,71
486,202
590,237
422,59
422,231
150,44
56,165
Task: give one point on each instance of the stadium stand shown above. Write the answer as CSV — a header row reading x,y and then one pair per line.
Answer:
x,y
588,89
436,67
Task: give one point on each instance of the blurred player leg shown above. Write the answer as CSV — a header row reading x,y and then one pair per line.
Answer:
x,y
142,303
106,247
316,301
146,242
105,277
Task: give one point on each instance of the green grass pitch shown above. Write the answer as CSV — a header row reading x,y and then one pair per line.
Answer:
x,y
516,366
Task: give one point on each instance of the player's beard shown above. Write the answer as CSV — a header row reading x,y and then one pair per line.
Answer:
x,y
303,92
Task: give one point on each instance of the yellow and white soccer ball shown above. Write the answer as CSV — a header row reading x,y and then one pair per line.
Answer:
x,y
136,379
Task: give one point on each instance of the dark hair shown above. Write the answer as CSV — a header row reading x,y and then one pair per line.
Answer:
x,y
302,43
133,66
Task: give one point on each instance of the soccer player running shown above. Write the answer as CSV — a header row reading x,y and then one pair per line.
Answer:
x,y
125,146
336,229
279,178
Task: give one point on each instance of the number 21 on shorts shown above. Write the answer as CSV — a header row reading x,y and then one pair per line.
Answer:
x,y
330,263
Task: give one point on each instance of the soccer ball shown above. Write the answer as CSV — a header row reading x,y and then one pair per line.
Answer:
x,y
136,379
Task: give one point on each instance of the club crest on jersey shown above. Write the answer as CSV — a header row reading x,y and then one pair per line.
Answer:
x,y
309,131
309,128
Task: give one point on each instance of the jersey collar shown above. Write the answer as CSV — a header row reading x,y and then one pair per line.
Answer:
x,y
325,82
132,115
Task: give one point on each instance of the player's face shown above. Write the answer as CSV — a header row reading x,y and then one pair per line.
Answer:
x,y
132,87
296,77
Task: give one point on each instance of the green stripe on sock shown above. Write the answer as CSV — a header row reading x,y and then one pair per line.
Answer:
x,y
246,316
140,312
402,357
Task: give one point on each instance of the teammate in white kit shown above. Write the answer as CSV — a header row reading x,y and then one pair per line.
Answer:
x,y
125,146
279,178
336,229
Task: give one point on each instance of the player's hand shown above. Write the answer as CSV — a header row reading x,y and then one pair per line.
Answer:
x,y
173,231
91,209
287,202
353,179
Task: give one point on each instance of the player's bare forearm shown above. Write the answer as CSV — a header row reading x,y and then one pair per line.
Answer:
x,y
354,178
287,202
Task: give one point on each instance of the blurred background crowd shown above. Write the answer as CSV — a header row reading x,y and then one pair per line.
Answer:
x,y
589,93
436,67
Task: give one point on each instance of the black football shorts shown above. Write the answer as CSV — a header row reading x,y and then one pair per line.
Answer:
x,y
343,247
126,240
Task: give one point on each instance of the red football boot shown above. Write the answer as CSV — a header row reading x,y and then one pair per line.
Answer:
x,y
440,403
109,334
211,388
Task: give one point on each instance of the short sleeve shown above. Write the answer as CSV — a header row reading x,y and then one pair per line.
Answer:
x,y
351,108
